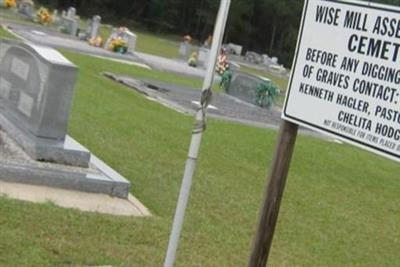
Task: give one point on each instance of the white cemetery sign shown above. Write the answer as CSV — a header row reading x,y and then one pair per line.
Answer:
x,y
346,74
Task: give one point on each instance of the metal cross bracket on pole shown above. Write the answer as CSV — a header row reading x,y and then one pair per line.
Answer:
x,y
198,129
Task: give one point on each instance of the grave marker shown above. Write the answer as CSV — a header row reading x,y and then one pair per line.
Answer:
x,y
71,12
70,26
27,9
185,49
126,35
93,27
36,90
204,54
244,86
69,22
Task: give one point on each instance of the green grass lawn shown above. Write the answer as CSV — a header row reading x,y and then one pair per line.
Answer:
x,y
86,65
5,34
340,207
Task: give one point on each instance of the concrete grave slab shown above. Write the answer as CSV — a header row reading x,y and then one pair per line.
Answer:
x,y
88,202
16,166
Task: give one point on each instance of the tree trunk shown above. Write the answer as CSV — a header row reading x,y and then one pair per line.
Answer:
x,y
271,44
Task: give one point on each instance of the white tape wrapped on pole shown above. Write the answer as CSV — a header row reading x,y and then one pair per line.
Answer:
x,y
197,134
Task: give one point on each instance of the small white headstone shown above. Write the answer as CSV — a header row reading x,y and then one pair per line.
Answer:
x,y
71,13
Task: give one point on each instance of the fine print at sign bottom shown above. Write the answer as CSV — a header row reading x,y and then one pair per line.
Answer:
x,y
345,78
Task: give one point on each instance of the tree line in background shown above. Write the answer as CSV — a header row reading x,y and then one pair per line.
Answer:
x,y
264,26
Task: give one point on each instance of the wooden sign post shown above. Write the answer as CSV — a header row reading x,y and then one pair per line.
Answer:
x,y
344,83
273,194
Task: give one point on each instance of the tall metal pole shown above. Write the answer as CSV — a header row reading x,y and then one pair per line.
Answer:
x,y
198,130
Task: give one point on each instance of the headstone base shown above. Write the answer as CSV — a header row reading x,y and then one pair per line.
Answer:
x,y
17,167
66,152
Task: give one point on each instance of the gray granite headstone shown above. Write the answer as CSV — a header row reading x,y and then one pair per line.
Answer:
x,y
36,90
244,86
93,25
26,9
234,49
71,12
185,49
69,25
56,18
203,56
131,37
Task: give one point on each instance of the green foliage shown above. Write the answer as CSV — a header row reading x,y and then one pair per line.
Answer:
x,y
226,80
266,94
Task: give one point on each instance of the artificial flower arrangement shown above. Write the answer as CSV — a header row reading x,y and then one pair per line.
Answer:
x,y
97,41
43,16
118,45
10,3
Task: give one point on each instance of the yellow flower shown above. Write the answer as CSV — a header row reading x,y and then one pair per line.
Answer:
x,y
10,3
44,16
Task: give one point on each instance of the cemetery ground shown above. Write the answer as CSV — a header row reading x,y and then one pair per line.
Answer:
x,y
340,206
6,34
164,45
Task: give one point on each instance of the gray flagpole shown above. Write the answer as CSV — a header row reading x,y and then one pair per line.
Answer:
x,y
198,130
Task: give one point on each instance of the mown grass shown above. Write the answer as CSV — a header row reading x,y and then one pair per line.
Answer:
x,y
138,72
340,206
5,34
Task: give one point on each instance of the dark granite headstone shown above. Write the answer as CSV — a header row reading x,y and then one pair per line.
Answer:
x,y
244,86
